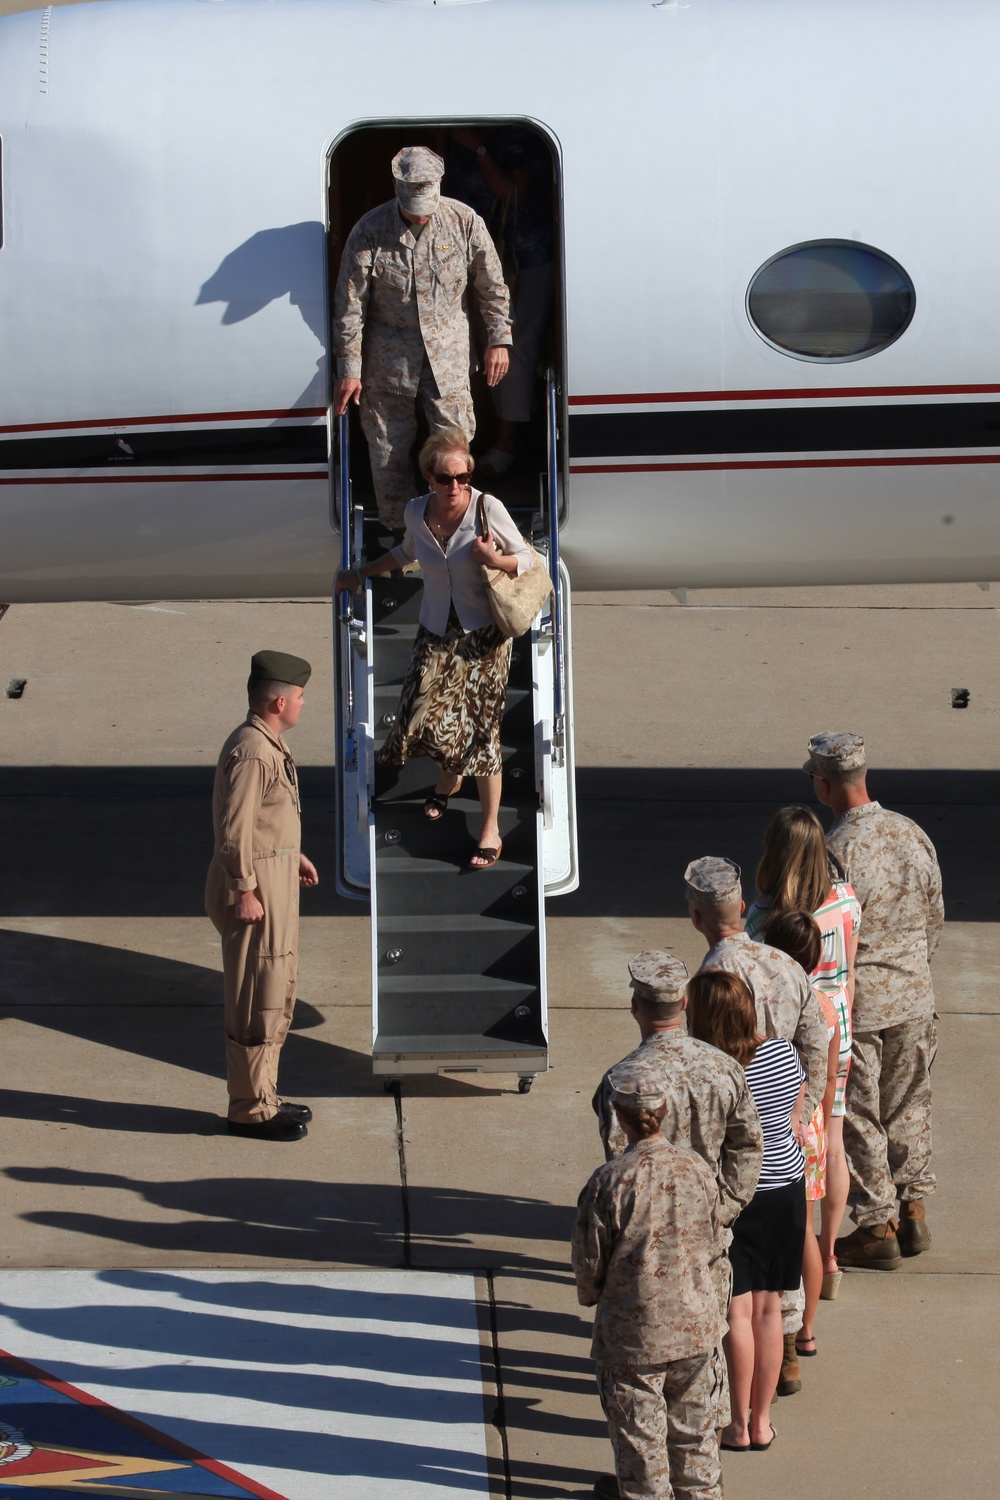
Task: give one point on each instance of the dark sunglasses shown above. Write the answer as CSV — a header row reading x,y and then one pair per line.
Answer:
x,y
453,478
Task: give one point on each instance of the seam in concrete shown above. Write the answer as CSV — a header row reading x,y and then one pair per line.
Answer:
x,y
500,1415
397,1094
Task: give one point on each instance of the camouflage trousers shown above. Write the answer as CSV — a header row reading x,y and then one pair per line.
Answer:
x,y
887,1124
721,1271
662,1426
389,423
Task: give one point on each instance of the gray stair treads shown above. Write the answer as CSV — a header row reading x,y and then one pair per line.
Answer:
x,y
456,944
469,1004
419,887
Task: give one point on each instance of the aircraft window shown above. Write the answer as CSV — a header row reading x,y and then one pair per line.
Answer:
x,y
830,300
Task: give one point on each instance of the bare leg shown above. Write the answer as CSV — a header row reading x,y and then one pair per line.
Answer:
x,y
489,798
768,1348
838,1183
812,1280
739,1349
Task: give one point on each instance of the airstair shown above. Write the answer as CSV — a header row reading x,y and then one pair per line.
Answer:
x,y
458,955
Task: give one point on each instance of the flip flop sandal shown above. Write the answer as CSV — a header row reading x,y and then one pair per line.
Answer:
x,y
804,1353
489,855
763,1447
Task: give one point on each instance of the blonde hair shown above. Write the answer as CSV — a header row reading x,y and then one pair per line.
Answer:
x,y
721,1011
440,444
795,870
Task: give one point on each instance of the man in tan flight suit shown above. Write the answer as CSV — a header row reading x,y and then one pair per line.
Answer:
x,y
893,868
252,895
647,1231
786,1007
400,323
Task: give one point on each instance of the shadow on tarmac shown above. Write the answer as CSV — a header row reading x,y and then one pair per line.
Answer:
x,y
339,1223
147,830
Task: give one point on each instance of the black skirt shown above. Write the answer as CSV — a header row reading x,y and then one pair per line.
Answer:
x,y
768,1240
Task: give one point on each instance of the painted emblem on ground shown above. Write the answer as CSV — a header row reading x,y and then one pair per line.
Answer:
x,y
57,1441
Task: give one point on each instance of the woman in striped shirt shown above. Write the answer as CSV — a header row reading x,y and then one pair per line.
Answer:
x,y
795,875
768,1236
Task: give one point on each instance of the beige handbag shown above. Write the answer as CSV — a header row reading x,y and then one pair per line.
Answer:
x,y
514,601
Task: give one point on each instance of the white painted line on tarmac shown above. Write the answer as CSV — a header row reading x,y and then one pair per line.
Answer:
x,y
312,1383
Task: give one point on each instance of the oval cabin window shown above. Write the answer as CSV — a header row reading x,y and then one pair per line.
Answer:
x,y
830,300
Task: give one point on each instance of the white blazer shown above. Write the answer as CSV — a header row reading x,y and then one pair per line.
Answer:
x,y
452,576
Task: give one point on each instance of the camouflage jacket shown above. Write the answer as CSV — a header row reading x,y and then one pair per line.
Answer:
x,y
709,1109
401,296
786,1004
894,871
646,1233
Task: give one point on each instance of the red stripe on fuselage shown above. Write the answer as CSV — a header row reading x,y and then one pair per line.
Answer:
x,y
829,392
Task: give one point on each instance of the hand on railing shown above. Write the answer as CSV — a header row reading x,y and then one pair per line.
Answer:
x,y
348,580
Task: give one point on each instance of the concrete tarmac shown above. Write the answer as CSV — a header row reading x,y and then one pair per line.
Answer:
x,y
691,725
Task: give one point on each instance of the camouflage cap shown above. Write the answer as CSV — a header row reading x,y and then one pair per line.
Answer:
x,y
658,975
279,666
418,172
713,880
636,1087
835,752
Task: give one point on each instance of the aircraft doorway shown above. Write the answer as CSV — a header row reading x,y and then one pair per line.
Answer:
x,y
514,185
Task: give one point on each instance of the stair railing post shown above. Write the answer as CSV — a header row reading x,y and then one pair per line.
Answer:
x,y
559,710
346,610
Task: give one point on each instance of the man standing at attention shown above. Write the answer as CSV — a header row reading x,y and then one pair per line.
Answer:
x,y
647,1231
893,868
252,895
400,323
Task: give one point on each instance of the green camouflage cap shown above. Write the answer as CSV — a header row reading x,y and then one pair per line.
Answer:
x,y
835,752
658,975
279,666
713,880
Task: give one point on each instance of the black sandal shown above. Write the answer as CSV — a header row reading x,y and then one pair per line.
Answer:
x,y
440,806
489,856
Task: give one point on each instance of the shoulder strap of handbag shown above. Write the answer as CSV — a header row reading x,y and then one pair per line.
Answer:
x,y
481,513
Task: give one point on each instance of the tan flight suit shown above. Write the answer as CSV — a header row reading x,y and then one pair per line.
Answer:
x,y
711,1110
257,817
646,1233
887,1126
401,327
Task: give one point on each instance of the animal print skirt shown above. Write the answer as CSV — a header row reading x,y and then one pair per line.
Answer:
x,y
452,701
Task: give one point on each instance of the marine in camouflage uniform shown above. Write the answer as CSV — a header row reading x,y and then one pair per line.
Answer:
x,y
646,1233
893,868
785,1000
400,323
709,1107
786,1007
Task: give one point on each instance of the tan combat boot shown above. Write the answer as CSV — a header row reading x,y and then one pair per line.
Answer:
x,y
875,1247
790,1379
913,1235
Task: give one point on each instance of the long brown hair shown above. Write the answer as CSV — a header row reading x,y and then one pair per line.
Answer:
x,y
721,1011
795,870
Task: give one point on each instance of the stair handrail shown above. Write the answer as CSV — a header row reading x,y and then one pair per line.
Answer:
x,y
346,604
552,436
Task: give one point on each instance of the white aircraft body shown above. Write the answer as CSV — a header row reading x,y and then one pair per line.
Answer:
x,y
778,324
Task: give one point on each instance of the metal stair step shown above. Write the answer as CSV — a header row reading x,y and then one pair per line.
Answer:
x,y
457,943
469,1004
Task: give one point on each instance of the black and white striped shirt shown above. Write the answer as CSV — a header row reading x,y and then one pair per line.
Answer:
x,y
774,1078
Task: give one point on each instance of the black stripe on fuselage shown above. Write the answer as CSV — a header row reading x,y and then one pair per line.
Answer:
x,y
150,450
828,429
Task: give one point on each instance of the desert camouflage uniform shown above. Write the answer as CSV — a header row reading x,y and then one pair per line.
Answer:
x,y
786,1004
257,817
893,868
711,1110
647,1229
400,326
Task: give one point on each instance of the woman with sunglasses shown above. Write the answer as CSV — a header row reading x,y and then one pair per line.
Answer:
x,y
452,697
